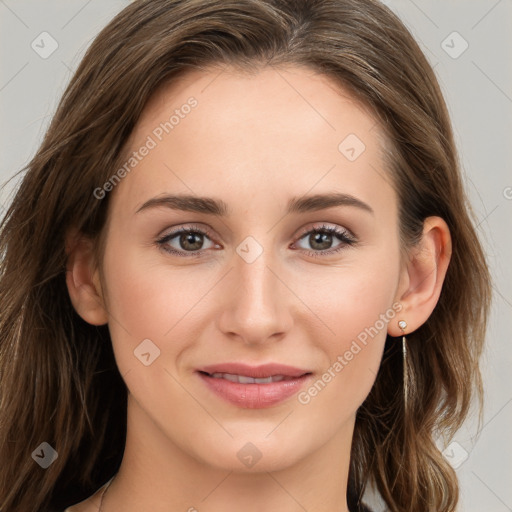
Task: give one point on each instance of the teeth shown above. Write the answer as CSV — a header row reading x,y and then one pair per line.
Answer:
x,y
243,379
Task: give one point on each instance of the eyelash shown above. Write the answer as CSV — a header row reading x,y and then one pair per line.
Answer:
x,y
343,236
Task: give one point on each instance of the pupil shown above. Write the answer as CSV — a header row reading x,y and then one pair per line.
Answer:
x,y
323,239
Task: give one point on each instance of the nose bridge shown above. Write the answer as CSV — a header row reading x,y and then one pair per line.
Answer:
x,y
257,306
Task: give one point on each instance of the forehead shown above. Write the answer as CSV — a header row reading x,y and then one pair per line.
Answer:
x,y
272,98
277,130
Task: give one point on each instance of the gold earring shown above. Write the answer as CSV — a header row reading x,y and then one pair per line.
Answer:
x,y
402,324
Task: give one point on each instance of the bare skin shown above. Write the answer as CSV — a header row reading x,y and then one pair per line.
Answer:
x,y
254,142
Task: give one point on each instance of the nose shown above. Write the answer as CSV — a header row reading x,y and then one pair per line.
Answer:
x,y
256,305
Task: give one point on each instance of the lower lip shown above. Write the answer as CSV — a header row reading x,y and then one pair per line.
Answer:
x,y
254,396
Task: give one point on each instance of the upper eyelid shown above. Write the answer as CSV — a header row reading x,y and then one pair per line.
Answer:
x,y
326,227
185,228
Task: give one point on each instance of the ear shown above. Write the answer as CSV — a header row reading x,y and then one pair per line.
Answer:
x,y
423,276
82,279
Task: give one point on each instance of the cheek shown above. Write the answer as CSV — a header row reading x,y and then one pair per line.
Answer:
x,y
355,313
143,303
147,296
149,299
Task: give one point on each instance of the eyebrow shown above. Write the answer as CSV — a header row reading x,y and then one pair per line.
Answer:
x,y
219,208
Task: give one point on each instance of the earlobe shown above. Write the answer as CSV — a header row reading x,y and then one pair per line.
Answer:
x,y
82,280
424,275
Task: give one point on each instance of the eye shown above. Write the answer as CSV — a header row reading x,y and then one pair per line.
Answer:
x,y
186,241
322,238
189,241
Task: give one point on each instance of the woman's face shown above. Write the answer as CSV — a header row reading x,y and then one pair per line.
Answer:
x,y
253,284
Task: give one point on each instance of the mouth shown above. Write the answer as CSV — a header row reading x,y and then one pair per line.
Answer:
x,y
245,379
253,387
263,371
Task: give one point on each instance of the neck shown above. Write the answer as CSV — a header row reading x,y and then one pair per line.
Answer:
x,y
159,475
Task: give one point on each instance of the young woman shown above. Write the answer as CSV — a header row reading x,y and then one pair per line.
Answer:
x,y
241,272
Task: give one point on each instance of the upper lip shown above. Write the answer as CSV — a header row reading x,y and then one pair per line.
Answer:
x,y
256,372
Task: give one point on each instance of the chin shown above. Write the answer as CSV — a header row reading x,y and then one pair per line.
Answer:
x,y
254,454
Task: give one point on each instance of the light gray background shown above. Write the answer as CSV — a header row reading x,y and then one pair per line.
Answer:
x,y
478,88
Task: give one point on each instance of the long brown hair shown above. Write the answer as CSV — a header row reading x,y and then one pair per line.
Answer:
x,y
58,379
